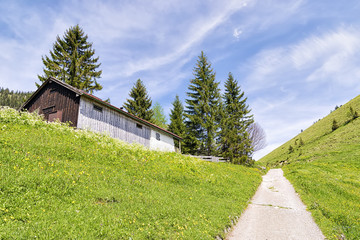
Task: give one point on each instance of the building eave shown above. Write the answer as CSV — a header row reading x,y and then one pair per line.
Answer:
x,y
99,101
149,124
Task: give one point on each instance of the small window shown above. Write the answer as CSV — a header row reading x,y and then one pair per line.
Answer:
x,y
139,126
158,136
48,110
52,90
98,108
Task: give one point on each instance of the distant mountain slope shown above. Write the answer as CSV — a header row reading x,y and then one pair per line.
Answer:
x,y
324,166
319,131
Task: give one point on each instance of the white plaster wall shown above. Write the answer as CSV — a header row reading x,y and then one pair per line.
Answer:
x,y
165,144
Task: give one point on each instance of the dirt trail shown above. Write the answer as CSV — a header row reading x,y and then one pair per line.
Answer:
x,y
276,212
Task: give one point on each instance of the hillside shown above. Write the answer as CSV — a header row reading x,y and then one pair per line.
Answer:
x,y
61,183
324,167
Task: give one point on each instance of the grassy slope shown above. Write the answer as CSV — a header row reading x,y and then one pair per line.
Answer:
x,y
57,183
326,171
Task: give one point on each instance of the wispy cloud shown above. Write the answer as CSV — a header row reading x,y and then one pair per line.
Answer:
x,y
261,16
297,83
191,31
331,56
237,32
163,48
130,37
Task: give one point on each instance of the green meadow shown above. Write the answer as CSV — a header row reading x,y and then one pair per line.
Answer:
x,y
61,183
324,166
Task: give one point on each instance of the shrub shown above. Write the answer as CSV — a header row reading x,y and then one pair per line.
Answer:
x,y
334,125
291,149
353,114
301,142
240,160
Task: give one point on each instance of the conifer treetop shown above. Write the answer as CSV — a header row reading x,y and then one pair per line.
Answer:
x,y
139,103
71,60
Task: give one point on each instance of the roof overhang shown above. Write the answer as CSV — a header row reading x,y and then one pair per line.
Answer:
x,y
82,93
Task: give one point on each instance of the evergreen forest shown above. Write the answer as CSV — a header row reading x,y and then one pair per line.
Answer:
x,y
13,99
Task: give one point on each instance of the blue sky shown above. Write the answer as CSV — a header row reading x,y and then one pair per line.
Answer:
x,y
295,59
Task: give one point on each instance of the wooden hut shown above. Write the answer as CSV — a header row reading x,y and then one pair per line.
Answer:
x,y
58,100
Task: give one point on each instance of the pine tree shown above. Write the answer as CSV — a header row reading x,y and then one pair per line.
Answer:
x,y
177,119
140,103
72,61
202,110
234,137
159,117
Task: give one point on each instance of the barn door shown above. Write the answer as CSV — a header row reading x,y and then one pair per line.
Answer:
x,y
55,115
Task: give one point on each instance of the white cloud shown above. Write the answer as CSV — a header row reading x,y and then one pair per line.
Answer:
x,y
330,57
172,47
130,37
237,32
299,83
264,64
188,35
260,16
337,46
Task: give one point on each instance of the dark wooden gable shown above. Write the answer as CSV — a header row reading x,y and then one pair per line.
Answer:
x,y
55,101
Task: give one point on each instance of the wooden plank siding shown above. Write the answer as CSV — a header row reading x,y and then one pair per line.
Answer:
x,y
55,100
111,122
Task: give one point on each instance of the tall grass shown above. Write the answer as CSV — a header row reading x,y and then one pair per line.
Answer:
x,y
61,183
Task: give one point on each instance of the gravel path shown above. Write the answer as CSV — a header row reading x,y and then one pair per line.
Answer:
x,y
276,212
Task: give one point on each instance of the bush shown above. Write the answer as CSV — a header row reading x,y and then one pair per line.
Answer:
x,y
353,114
301,142
291,149
240,160
334,125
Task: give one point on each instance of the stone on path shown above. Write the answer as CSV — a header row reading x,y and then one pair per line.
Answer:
x,y
276,212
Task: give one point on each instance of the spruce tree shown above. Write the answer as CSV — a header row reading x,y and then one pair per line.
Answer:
x,y
140,103
202,110
72,61
177,119
234,137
